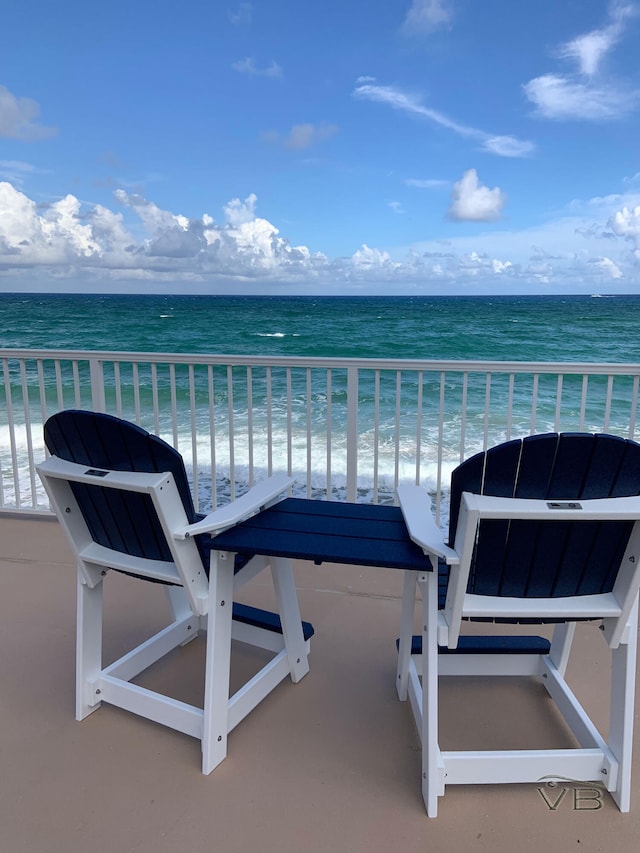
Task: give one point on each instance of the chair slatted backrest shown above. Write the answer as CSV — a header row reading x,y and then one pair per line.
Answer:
x,y
547,560
123,521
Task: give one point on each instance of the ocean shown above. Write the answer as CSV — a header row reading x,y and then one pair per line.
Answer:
x,y
522,328
558,329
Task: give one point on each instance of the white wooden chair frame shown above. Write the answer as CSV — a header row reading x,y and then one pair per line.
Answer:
x,y
197,603
605,760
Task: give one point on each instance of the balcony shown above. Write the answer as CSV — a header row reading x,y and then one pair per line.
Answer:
x,y
329,764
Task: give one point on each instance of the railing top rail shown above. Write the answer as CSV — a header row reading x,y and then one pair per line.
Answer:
x,y
461,366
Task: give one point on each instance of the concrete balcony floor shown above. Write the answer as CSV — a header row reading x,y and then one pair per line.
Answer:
x,y
329,764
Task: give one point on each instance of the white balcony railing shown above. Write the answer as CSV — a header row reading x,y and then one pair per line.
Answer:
x,y
345,429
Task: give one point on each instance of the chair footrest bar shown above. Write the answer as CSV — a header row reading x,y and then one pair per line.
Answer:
x,y
265,619
153,706
513,766
490,645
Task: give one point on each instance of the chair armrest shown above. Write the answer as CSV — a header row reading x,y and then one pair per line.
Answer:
x,y
416,511
593,509
257,498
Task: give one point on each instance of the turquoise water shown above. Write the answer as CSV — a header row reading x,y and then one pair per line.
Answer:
x,y
505,328
565,329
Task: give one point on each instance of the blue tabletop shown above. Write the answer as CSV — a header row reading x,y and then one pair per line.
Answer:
x,y
328,531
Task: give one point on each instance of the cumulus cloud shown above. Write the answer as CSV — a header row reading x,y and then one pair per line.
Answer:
x,y
470,201
608,268
626,223
141,245
503,146
425,16
366,258
19,118
587,93
248,66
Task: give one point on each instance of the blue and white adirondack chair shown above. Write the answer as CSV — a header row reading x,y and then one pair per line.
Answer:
x,y
122,497
545,529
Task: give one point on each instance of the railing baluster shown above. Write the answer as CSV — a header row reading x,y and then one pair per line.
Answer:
x,y
463,415
12,433
174,403
27,428
289,422
328,480
352,433
212,436
583,401
194,438
309,434
607,406
396,437
443,379
118,384
510,406
232,456
419,427
154,397
487,407
634,407
76,384
269,404
250,422
556,422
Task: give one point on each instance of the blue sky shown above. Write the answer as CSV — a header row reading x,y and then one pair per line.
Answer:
x,y
403,146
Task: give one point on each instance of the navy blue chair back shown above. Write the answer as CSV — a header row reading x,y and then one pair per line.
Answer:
x,y
527,558
124,521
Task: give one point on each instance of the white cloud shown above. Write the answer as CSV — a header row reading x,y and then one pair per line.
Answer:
x,y
626,223
593,245
366,258
587,94
248,66
608,268
425,16
503,146
472,202
591,48
238,212
559,97
18,118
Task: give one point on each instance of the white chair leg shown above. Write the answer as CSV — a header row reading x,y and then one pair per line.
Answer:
x,y
561,645
181,609
289,611
88,646
431,769
218,661
406,633
623,677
